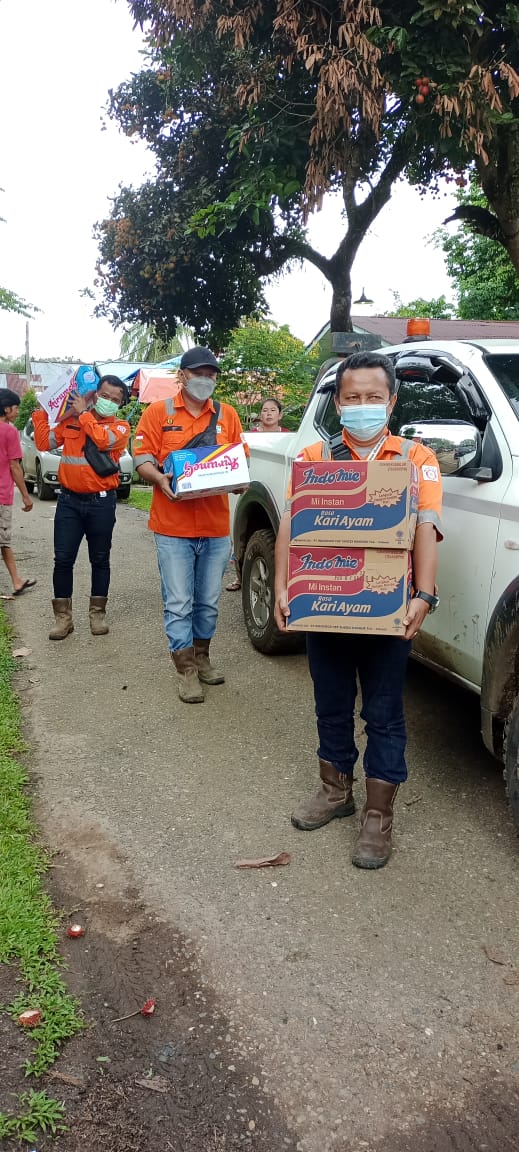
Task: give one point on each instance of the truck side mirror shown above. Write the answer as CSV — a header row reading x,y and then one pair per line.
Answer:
x,y
455,443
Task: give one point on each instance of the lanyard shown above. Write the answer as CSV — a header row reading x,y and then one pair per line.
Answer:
x,y
375,451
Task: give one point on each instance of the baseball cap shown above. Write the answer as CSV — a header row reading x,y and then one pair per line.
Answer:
x,y
199,358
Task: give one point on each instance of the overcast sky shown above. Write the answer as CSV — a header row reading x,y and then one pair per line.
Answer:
x,y
59,169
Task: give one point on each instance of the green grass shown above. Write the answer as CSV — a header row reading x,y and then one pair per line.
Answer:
x,y
41,1114
28,923
140,498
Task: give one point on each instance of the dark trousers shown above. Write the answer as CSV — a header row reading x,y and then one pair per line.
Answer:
x,y
77,515
380,661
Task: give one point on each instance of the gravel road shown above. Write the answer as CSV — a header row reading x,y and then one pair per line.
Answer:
x,y
379,1008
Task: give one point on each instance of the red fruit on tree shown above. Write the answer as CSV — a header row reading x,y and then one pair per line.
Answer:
x,y
420,99
424,90
418,81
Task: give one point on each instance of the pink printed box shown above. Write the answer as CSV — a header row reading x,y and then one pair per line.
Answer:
x,y
362,590
207,471
354,503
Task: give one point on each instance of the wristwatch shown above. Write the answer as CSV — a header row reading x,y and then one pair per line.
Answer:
x,y
432,601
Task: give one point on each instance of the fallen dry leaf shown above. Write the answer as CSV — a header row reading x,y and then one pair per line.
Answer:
x,y
22,651
511,978
156,1083
494,956
266,861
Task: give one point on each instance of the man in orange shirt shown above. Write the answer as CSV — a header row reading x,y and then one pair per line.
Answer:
x,y
193,536
86,501
365,395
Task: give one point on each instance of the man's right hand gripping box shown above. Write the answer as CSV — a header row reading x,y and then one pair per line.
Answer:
x,y
354,503
362,590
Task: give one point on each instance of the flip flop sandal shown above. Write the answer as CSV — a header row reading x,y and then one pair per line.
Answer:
x,y
26,584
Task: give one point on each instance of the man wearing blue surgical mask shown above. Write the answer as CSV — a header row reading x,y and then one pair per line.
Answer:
x,y
365,395
192,536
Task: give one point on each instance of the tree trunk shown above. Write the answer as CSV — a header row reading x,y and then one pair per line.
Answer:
x,y
500,183
360,217
340,315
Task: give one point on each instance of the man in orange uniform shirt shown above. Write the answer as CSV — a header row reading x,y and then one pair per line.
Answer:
x,y
86,501
193,536
365,395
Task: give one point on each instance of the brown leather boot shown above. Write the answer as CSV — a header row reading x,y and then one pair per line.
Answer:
x,y
373,846
63,617
333,799
207,672
96,613
189,687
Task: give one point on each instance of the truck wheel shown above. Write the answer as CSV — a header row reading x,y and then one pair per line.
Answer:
x,y
43,491
511,772
258,598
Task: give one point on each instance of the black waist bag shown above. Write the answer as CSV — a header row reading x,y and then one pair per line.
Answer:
x,y
206,438
100,462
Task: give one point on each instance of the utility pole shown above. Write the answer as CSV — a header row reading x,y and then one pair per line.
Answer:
x,y
27,357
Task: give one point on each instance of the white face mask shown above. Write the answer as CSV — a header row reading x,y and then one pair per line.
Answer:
x,y
200,387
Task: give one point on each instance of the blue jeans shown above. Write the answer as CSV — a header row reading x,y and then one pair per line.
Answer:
x,y
191,571
81,514
380,661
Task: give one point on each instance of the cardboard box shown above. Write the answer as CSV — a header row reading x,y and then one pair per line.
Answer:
x,y
362,590
354,503
207,471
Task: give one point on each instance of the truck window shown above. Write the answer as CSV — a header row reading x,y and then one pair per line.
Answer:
x,y
434,415
505,368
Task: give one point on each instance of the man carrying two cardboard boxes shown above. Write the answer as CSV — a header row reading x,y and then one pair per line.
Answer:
x,y
177,448
354,601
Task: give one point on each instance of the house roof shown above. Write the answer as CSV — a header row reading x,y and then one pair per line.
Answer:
x,y
394,331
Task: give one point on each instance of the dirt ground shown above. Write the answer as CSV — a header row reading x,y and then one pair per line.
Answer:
x,y
314,1007
167,1081
180,1079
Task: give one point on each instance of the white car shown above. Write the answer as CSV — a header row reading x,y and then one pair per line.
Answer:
x,y
41,468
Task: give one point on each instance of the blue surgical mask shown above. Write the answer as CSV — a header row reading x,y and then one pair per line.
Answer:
x,y
364,421
106,407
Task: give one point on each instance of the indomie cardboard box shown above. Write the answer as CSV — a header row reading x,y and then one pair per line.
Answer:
x,y
207,471
354,503
362,590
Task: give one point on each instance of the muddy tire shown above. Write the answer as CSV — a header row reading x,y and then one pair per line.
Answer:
x,y
258,598
511,756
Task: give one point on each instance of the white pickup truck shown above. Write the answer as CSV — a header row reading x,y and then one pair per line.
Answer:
x,y
462,399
